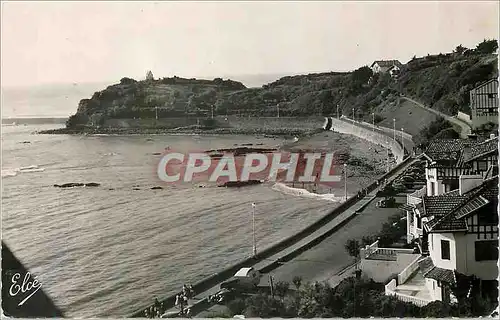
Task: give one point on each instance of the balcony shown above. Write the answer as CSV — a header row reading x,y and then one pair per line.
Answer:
x,y
416,197
410,286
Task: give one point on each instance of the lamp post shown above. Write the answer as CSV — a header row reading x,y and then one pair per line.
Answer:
x,y
373,121
253,224
278,107
394,127
403,141
345,180
156,112
212,111
353,115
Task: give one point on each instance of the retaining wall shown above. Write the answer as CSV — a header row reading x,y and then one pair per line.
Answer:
x,y
381,139
464,117
247,123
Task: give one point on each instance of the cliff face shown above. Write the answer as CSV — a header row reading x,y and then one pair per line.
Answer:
x,y
440,81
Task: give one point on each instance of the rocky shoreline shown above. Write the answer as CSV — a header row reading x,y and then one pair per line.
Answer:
x,y
144,131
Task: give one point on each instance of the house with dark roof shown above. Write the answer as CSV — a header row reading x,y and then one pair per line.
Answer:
x,y
461,230
447,162
393,67
449,158
484,103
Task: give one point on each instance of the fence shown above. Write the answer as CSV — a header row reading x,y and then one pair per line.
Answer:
x,y
416,197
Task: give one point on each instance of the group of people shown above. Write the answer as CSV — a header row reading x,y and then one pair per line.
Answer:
x,y
182,300
156,310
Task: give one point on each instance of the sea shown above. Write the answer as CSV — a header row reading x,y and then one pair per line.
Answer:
x,y
110,250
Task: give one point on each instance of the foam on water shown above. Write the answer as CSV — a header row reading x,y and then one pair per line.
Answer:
x,y
304,193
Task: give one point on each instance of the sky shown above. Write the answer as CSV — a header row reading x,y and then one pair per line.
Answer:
x,y
81,42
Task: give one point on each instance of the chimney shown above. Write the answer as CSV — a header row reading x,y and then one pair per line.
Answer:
x,y
469,182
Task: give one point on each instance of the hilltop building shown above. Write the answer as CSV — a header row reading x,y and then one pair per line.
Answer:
x,y
484,103
149,76
393,67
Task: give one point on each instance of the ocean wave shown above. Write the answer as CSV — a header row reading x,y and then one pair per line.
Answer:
x,y
14,172
304,193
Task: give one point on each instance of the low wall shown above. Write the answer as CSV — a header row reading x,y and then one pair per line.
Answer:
x,y
247,123
464,117
341,126
408,271
390,131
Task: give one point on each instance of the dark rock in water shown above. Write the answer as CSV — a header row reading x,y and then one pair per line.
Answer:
x,y
136,189
233,184
69,185
111,189
247,144
156,153
156,188
26,142
92,184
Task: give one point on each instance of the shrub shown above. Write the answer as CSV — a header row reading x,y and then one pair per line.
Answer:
x,y
487,46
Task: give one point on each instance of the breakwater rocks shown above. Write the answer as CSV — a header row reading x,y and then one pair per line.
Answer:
x,y
238,184
77,184
239,151
139,131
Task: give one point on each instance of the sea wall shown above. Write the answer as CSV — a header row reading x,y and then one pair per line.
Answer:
x,y
238,123
338,125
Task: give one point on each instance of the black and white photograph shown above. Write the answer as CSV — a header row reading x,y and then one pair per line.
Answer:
x,y
249,159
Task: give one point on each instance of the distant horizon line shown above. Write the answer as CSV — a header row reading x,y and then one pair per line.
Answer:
x,y
232,77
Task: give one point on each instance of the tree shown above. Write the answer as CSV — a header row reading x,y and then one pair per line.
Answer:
x,y
281,289
352,247
460,49
487,46
297,281
126,80
361,76
149,76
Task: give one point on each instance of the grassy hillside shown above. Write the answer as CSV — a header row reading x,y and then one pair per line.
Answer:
x,y
441,81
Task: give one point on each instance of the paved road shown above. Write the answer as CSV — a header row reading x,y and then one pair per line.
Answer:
x,y
309,265
465,129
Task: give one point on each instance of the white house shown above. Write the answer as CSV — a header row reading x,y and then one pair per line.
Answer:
x,y
384,66
448,159
461,227
484,103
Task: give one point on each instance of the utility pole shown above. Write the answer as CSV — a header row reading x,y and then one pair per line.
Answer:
x,y
156,112
338,116
345,180
403,141
353,115
394,128
212,111
373,121
253,223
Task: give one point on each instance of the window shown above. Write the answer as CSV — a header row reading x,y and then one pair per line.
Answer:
x,y
432,188
419,222
491,95
486,250
454,185
445,249
482,165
